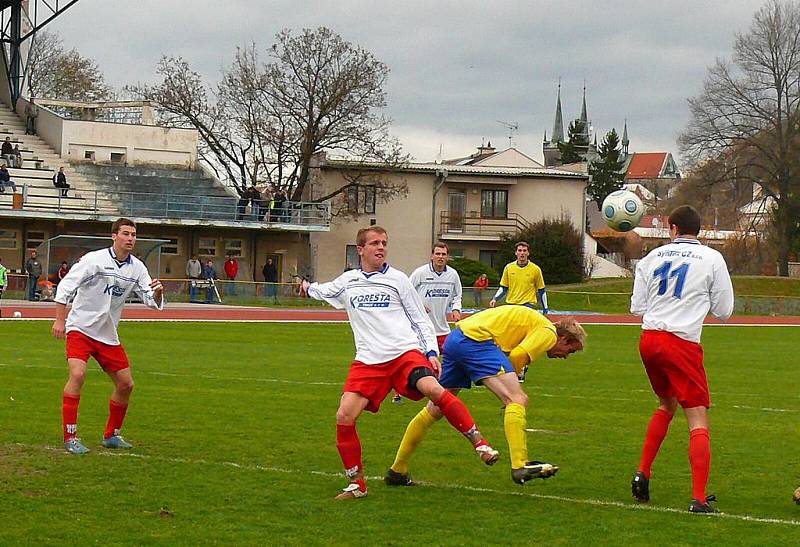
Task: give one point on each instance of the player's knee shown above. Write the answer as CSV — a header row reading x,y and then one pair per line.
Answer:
x,y
345,417
125,386
77,377
520,398
418,374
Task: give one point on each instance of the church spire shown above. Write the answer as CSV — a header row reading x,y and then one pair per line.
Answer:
x,y
584,116
625,140
558,124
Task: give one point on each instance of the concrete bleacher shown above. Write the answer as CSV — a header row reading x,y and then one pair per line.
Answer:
x,y
39,164
146,191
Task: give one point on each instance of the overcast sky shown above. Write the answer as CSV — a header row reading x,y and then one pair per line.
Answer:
x,y
457,67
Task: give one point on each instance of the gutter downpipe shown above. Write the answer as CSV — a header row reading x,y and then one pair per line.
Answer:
x,y
441,177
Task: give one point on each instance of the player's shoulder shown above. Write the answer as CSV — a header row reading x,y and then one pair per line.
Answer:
x,y
421,271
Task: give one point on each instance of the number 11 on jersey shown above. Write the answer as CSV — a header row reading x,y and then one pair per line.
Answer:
x,y
665,273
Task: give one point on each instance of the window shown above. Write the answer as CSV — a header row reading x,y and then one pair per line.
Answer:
x,y
88,155
171,248
494,203
361,199
207,246
8,239
489,258
456,252
117,157
351,259
234,247
34,240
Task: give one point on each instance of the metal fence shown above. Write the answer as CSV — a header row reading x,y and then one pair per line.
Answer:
x,y
168,206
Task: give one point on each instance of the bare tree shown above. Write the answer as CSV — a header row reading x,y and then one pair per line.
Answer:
x,y
264,122
57,73
748,114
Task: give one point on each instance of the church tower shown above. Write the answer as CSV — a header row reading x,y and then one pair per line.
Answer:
x,y
550,149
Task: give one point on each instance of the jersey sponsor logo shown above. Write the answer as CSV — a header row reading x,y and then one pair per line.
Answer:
x,y
374,300
114,290
682,254
437,293
108,268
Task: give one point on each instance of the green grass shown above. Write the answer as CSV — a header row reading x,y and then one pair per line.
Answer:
x,y
235,444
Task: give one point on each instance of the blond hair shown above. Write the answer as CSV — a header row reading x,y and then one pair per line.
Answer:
x,y
569,328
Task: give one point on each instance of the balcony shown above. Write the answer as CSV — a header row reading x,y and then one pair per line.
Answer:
x,y
46,202
472,226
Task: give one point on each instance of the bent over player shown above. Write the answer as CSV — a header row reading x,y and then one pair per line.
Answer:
x,y
675,287
488,348
395,348
100,282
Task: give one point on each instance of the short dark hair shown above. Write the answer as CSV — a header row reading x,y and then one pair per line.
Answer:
x,y
686,219
361,236
440,245
120,222
519,244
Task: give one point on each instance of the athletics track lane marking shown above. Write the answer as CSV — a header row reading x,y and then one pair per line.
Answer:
x,y
550,497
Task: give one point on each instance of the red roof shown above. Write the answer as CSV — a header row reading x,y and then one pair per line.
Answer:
x,y
647,165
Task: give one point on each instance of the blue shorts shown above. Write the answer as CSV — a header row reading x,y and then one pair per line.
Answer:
x,y
466,361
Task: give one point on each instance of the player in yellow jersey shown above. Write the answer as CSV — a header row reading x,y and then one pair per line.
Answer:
x,y
488,348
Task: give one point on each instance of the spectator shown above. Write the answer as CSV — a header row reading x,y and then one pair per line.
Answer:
x,y
264,203
241,205
7,151
31,111
17,156
3,278
60,181
194,272
34,270
231,268
5,180
270,273
210,274
46,292
279,199
62,271
480,285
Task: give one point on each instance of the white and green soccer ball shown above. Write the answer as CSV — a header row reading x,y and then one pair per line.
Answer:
x,y
622,210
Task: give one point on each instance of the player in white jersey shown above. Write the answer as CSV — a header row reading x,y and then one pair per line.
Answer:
x,y
675,287
440,289
395,348
98,286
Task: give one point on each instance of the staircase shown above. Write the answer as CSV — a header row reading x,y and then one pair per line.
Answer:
x,y
39,164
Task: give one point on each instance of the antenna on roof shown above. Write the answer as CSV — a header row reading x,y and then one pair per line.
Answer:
x,y
512,126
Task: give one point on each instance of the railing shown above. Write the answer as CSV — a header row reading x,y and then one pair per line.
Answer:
x,y
48,199
453,224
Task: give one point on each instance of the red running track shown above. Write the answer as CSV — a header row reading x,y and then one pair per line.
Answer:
x,y
203,312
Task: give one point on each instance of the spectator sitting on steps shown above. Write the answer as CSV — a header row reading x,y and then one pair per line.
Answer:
x,y
5,180
60,181
7,151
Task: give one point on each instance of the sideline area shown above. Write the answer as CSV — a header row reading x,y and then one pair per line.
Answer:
x,y
182,311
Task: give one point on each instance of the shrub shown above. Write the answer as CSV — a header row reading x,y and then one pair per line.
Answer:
x,y
469,270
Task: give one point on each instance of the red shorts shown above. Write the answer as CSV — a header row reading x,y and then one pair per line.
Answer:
x,y
675,368
440,340
111,358
376,381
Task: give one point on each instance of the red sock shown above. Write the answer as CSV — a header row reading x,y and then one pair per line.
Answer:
x,y
69,415
116,415
656,431
349,446
700,460
456,413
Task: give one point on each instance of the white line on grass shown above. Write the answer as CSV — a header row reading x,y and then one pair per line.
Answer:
x,y
448,486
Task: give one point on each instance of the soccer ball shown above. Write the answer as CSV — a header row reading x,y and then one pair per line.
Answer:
x,y
17,314
622,210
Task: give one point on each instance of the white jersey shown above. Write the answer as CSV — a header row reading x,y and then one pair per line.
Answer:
x,y
385,312
677,284
440,292
100,284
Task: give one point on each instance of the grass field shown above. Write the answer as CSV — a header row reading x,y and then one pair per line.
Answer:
x,y
235,444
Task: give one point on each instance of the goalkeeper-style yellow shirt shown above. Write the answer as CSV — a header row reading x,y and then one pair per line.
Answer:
x,y
512,327
522,282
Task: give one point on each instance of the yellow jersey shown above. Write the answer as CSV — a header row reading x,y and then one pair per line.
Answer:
x,y
522,282
511,327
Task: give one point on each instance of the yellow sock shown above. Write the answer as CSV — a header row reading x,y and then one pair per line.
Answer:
x,y
515,421
416,430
